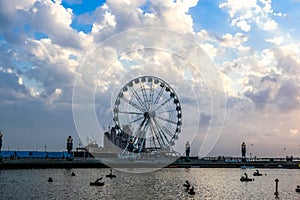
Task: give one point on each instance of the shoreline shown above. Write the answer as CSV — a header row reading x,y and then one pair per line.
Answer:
x,y
42,163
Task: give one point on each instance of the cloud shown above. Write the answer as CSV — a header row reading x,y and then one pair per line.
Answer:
x,y
272,78
38,17
260,98
276,40
294,131
288,96
243,15
43,54
235,41
53,67
10,86
44,68
204,120
287,58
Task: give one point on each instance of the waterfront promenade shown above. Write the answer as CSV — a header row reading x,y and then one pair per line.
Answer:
x,y
27,159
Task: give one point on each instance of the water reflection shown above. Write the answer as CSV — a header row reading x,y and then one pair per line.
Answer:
x,y
162,184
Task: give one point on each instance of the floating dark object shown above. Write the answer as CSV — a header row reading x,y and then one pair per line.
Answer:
x,y
192,192
96,183
276,188
297,188
73,174
111,175
50,179
246,179
187,186
256,173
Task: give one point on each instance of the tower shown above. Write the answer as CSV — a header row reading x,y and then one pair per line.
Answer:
x,y
243,152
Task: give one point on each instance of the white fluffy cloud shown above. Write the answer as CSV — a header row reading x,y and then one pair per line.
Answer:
x,y
276,40
246,13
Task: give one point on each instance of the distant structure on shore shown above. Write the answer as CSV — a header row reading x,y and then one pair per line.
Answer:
x,y
187,149
243,152
0,140
0,145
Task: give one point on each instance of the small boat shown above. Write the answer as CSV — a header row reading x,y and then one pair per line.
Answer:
x,y
256,173
297,188
97,183
246,179
187,184
191,191
111,176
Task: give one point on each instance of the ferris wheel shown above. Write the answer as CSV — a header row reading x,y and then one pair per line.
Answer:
x,y
148,112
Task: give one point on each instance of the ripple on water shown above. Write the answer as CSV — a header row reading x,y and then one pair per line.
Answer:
x,y
162,184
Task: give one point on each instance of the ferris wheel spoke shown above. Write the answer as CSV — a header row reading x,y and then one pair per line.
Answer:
x,y
158,136
166,111
142,128
159,96
155,134
151,95
131,113
164,103
134,104
161,131
164,128
152,142
167,120
152,139
138,119
138,98
144,93
147,126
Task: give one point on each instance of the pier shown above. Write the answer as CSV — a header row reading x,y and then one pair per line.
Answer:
x,y
83,159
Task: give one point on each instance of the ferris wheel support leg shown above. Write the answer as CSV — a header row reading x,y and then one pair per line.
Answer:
x,y
142,145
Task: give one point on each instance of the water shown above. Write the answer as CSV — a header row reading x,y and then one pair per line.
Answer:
x,y
161,184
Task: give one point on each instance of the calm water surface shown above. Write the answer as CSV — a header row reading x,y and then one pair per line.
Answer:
x,y
161,184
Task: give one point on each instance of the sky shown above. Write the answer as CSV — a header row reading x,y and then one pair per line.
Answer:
x,y
235,66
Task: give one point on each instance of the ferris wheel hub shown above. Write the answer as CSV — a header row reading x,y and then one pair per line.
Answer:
x,y
149,114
